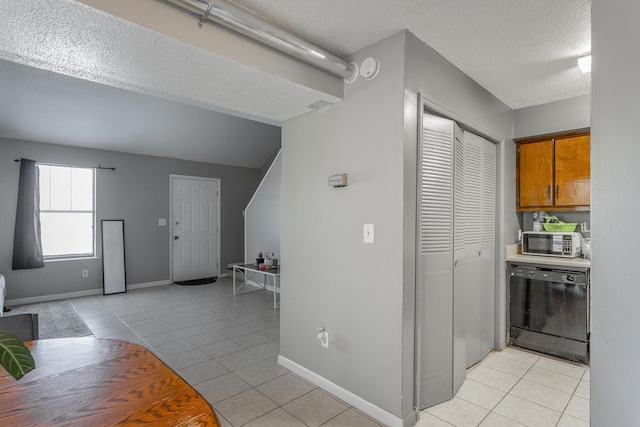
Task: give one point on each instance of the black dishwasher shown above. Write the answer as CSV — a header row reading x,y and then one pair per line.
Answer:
x,y
549,310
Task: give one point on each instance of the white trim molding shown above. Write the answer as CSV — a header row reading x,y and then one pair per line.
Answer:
x,y
149,284
77,294
354,400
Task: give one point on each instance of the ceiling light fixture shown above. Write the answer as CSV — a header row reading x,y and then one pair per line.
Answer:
x,y
585,64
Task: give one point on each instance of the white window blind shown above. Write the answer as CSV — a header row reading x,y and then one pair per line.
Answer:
x,y
67,211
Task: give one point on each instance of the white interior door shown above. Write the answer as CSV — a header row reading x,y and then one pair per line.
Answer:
x,y
195,227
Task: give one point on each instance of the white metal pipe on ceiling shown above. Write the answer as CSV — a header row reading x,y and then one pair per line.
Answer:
x,y
246,23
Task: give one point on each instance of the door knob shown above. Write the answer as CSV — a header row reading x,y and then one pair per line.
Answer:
x,y
175,237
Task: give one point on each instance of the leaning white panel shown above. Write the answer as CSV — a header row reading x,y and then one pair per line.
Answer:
x,y
113,261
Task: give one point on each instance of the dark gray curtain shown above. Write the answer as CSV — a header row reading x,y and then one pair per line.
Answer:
x,y
27,246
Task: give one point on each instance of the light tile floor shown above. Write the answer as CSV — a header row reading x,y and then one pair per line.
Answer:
x,y
514,387
225,346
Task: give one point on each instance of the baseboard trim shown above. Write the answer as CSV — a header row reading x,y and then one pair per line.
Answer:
x,y
54,297
149,284
77,294
354,400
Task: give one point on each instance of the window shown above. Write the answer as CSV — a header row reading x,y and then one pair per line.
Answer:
x,y
67,211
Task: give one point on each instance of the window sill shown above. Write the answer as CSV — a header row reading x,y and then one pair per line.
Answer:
x,y
83,258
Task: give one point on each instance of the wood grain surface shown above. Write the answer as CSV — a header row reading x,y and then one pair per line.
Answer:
x,y
100,382
535,174
573,171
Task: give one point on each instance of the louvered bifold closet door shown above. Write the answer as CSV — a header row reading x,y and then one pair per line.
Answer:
x,y
489,181
459,279
480,229
472,296
434,277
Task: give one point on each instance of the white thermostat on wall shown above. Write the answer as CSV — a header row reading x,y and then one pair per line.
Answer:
x,y
338,181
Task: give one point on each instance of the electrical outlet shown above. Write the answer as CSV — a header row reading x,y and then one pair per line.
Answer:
x,y
323,337
85,273
325,340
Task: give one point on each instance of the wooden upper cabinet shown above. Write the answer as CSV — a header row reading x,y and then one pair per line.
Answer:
x,y
536,174
573,171
553,173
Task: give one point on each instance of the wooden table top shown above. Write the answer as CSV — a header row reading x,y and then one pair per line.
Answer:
x,y
99,382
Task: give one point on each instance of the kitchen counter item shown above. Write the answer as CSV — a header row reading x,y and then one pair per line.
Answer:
x,y
566,227
586,248
512,255
556,244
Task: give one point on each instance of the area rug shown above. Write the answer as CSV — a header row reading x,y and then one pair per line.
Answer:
x,y
204,281
56,319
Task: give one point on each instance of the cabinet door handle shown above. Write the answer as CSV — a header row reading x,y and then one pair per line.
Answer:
x,y
549,191
557,191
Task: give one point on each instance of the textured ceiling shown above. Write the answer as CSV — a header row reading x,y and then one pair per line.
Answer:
x,y
41,106
522,51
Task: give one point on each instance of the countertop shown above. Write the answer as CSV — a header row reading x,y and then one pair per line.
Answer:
x,y
513,254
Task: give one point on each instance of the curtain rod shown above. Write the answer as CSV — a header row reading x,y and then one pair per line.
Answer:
x,y
71,166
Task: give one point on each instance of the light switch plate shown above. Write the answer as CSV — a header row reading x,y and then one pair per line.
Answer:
x,y
162,222
368,233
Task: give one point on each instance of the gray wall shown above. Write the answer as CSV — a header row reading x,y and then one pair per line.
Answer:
x,y
559,116
263,215
455,93
363,294
138,192
330,278
615,180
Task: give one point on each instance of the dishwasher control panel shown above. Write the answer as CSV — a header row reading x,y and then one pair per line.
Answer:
x,y
548,274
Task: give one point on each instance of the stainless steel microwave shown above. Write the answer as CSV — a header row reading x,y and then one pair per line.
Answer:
x,y
567,245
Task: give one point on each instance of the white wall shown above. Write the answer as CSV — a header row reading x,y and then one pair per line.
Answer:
x,y
615,197
262,218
